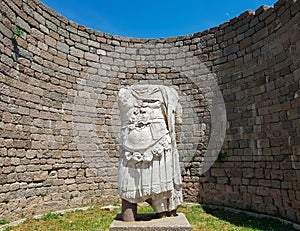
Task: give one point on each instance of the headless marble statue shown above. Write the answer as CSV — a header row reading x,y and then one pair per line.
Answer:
x,y
149,162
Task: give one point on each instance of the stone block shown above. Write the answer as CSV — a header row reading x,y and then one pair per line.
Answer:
x,y
82,46
91,57
63,47
76,52
63,32
295,8
22,24
7,10
231,49
81,31
37,34
148,222
5,31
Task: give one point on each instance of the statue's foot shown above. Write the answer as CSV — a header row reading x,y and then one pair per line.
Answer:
x,y
129,211
161,215
172,213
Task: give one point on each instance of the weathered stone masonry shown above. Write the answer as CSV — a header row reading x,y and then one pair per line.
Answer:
x,y
58,92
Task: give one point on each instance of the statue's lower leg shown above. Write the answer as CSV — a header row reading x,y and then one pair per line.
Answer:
x,y
129,211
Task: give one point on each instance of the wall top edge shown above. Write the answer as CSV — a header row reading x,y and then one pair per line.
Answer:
x,y
258,15
242,16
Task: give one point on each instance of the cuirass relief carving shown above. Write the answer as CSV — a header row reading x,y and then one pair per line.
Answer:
x,y
146,125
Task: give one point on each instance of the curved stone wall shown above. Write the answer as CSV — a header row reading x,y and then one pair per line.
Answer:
x,y
59,117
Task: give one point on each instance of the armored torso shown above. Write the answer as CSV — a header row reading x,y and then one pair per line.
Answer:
x,y
143,118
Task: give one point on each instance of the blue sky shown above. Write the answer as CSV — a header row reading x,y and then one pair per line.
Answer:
x,y
154,18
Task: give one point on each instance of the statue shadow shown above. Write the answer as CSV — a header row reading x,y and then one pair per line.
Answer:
x,y
140,217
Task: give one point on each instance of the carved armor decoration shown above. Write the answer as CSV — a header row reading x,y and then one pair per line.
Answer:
x,y
149,162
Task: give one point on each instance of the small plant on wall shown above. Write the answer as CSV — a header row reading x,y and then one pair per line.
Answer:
x,y
17,33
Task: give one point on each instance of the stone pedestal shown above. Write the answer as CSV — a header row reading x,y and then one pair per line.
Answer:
x,y
149,222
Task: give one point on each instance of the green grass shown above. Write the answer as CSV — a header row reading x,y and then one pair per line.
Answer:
x,y
204,219
50,216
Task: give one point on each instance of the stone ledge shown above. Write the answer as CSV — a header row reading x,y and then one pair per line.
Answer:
x,y
148,222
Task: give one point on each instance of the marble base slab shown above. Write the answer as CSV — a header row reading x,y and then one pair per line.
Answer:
x,y
148,222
